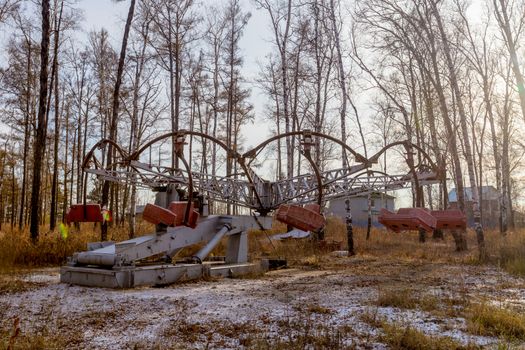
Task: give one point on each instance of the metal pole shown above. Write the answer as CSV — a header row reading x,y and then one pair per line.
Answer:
x,y
203,253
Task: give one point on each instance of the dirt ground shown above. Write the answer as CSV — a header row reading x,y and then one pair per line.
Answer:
x,y
324,306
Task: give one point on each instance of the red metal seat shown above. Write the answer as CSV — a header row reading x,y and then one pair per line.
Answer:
x,y
313,207
158,215
179,209
450,219
299,217
84,213
192,220
407,219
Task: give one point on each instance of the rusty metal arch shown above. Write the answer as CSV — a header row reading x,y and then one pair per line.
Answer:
x,y
440,173
368,171
181,133
90,155
230,152
406,144
244,160
98,145
252,153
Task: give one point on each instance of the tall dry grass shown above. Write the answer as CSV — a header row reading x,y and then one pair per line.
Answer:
x,y
507,252
52,249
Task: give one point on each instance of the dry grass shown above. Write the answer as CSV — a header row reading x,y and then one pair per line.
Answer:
x,y
32,341
403,298
298,252
213,333
304,333
508,251
52,334
482,318
313,308
407,298
309,331
291,335
397,336
11,285
486,319
17,251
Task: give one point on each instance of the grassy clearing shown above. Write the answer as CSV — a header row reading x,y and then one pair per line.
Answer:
x,y
486,319
312,330
398,336
14,285
407,298
52,334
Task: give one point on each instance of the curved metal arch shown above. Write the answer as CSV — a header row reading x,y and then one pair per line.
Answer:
x,y
135,155
406,144
254,151
89,155
230,152
440,173
368,171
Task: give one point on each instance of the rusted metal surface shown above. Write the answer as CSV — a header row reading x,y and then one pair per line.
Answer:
x,y
158,215
251,190
407,219
450,219
84,213
299,217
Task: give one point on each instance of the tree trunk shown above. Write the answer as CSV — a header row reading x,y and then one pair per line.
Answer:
x,y
114,115
342,83
464,128
505,26
41,132
66,153
54,183
27,137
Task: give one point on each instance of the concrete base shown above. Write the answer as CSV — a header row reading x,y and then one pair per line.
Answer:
x,y
130,277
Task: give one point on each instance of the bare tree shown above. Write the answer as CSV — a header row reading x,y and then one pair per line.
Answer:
x,y
463,122
501,10
54,76
115,113
7,8
41,131
281,21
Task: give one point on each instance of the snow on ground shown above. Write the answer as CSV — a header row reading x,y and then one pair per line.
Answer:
x,y
227,313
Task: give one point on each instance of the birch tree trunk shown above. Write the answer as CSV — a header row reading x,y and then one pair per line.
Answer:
x,y
464,128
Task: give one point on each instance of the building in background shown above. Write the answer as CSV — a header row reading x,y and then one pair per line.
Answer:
x,y
359,207
489,205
